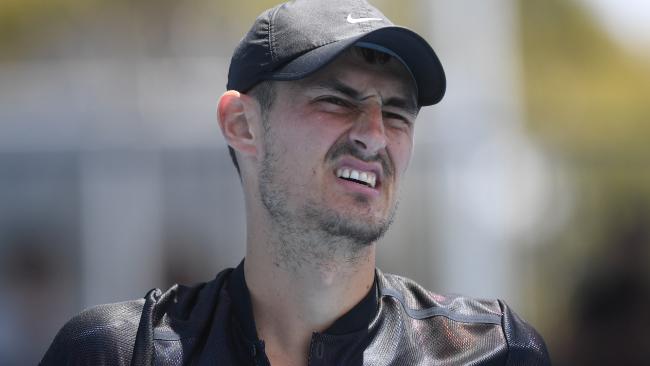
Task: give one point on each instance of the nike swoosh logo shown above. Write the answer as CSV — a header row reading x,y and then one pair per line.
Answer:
x,y
360,20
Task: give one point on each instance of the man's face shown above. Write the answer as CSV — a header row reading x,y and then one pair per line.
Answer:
x,y
336,146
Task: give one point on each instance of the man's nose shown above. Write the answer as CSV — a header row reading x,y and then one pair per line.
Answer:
x,y
368,133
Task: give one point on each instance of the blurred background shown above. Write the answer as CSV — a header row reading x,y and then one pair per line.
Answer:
x,y
530,182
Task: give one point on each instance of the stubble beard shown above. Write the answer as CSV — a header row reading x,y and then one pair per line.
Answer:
x,y
313,234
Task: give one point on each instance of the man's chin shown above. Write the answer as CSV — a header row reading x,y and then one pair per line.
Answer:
x,y
360,236
360,230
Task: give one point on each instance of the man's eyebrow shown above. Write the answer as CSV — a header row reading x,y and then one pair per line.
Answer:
x,y
407,104
337,85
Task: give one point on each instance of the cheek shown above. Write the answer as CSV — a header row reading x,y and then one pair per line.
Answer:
x,y
316,138
303,148
401,149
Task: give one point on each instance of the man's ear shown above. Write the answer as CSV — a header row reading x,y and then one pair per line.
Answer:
x,y
235,113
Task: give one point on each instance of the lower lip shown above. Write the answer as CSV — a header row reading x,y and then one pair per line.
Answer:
x,y
359,188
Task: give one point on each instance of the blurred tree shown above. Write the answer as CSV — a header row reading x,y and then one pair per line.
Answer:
x,y
587,96
50,29
588,100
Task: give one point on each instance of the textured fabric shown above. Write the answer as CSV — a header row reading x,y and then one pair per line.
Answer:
x,y
103,335
196,326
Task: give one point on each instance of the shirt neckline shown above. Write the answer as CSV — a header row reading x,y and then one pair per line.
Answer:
x,y
357,318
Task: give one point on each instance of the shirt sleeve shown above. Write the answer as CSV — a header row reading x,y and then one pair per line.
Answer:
x,y
102,335
525,345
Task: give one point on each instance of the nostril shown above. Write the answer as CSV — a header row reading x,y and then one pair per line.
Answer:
x,y
360,143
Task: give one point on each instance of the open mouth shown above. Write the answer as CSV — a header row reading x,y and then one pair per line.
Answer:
x,y
369,179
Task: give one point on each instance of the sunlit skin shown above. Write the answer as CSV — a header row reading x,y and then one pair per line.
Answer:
x,y
347,103
370,109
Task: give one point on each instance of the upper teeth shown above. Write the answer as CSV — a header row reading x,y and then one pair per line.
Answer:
x,y
367,177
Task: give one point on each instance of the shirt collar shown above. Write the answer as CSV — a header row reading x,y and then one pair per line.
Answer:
x,y
357,318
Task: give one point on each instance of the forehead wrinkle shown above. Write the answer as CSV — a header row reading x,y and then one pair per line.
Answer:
x,y
407,104
337,85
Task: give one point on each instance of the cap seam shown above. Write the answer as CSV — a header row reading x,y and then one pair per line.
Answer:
x,y
365,12
271,36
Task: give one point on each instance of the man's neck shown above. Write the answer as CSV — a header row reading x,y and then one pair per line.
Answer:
x,y
291,303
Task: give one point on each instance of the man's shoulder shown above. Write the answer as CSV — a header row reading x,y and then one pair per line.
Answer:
x,y
421,303
487,321
110,334
102,334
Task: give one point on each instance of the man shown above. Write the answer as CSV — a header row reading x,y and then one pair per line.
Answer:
x,y
319,117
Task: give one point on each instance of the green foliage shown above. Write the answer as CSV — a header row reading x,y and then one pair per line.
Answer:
x,y
34,28
588,99
586,95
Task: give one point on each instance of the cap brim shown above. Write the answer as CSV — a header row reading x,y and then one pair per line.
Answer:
x,y
414,51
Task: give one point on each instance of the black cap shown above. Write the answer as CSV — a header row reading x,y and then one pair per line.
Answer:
x,y
297,38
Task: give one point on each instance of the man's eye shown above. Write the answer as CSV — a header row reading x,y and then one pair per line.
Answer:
x,y
397,117
335,101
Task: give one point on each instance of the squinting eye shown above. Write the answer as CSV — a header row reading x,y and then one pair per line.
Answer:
x,y
395,116
335,101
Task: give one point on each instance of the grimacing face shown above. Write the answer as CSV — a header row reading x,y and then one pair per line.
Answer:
x,y
336,145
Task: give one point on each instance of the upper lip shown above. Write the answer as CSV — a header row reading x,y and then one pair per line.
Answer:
x,y
374,167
